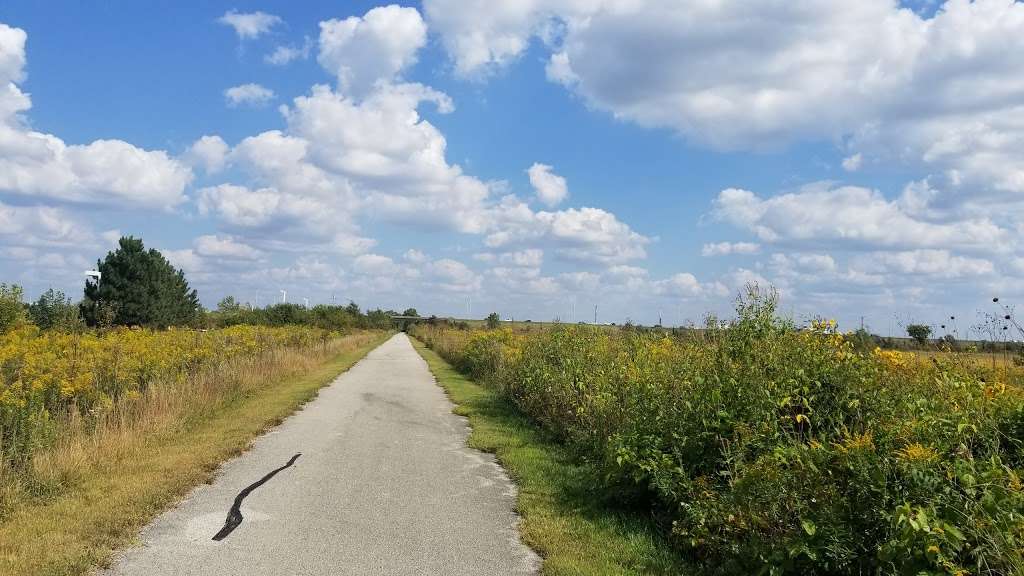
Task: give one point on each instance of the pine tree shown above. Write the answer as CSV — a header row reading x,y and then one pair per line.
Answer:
x,y
139,287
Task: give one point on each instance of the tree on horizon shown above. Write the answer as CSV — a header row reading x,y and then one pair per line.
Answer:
x,y
138,287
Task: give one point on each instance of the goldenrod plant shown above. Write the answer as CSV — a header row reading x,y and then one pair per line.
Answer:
x,y
48,375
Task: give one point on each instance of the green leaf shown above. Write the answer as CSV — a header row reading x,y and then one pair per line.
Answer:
x,y
809,527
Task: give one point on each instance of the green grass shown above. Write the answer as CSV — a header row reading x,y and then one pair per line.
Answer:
x,y
108,487
571,524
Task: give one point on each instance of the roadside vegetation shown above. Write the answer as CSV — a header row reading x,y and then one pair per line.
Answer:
x,y
576,530
66,509
113,407
764,447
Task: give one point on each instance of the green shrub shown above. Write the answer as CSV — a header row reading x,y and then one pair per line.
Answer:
x,y
12,309
55,310
773,449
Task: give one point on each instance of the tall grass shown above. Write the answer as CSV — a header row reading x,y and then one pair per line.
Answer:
x,y
772,449
68,398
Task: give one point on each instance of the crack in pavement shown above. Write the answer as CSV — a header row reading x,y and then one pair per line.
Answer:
x,y
234,518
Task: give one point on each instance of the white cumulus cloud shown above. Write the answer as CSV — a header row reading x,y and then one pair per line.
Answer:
x,y
551,189
41,165
210,152
360,51
853,217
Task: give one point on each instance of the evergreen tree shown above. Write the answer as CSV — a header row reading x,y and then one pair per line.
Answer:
x,y
139,287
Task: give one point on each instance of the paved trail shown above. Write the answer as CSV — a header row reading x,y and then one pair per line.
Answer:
x,y
384,485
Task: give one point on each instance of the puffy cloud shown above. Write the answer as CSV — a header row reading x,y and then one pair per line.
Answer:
x,y
12,54
284,220
550,188
580,234
624,271
684,285
805,262
374,264
559,71
104,171
284,55
852,217
186,260
940,90
225,247
531,258
740,74
933,263
452,275
12,71
42,226
44,246
210,152
381,139
341,159
393,157
523,280
239,205
580,281
250,94
481,35
249,25
727,248
362,150
736,280
375,47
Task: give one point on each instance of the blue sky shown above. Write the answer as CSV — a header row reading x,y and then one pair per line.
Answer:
x,y
530,157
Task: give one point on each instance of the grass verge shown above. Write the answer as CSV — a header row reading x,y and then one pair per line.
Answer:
x,y
576,530
94,492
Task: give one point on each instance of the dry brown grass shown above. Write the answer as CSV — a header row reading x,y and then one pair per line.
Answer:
x,y
982,359
105,477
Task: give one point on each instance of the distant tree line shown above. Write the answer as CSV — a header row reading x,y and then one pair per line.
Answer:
x,y
139,287
230,312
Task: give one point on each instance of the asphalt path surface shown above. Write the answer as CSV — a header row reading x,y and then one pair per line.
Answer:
x,y
372,477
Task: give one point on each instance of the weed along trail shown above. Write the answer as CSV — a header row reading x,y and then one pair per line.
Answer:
x,y
385,485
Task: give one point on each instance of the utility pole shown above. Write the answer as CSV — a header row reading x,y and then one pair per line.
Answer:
x,y
595,313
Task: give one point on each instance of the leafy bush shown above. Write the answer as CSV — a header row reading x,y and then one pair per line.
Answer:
x,y
55,310
773,449
12,309
493,320
919,332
